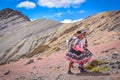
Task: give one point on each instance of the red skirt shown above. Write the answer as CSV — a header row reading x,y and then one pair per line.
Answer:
x,y
78,57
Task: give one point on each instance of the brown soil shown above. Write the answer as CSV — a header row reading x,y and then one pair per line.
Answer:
x,y
55,66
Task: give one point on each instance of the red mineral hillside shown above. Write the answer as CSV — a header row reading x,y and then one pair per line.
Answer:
x,y
54,67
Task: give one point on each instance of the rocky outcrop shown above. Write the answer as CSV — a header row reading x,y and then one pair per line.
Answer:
x,y
43,37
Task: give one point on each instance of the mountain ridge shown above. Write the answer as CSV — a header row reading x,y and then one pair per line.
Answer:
x,y
43,37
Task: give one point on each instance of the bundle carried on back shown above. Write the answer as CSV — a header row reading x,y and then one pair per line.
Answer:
x,y
71,42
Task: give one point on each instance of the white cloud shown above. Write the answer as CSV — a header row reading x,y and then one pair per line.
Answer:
x,y
58,14
59,3
27,5
69,12
81,11
54,15
70,21
76,6
66,21
32,19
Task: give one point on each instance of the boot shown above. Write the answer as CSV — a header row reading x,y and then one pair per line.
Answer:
x,y
69,72
81,69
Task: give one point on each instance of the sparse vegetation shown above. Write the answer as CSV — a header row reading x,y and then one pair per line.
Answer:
x,y
94,66
118,78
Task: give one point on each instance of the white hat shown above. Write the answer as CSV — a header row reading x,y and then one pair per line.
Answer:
x,y
83,30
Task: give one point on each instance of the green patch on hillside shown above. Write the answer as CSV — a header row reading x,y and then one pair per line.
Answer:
x,y
94,66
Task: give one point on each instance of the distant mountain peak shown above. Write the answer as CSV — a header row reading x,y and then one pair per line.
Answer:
x,y
10,12
9,19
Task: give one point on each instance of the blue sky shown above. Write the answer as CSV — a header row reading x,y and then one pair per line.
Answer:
x,y
60,10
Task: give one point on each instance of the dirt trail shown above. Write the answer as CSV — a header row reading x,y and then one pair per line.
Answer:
x,y
54,67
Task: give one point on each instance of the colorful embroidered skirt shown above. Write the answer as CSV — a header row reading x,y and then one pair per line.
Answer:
x,y
78,56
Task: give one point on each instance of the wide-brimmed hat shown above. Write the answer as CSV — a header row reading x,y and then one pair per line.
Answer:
x,y
84,30
81,31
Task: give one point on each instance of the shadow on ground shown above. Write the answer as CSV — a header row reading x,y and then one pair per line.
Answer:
x,y
92,74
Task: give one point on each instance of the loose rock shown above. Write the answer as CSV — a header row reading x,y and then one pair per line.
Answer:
x,y
30,61
7,72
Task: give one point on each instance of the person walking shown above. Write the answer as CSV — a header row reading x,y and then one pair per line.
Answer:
x,y
78,52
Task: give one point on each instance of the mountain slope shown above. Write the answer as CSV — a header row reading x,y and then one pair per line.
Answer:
x,y
103,27
43,37
22,40
55,66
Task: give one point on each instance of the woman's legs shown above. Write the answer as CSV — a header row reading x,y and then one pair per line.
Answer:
x,y
70,66
81,67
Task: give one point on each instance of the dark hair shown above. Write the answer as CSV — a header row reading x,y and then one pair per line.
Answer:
x,y
79,32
